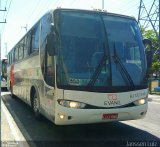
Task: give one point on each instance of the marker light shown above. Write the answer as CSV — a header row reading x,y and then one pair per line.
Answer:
x,y
61,116
71,104
140,101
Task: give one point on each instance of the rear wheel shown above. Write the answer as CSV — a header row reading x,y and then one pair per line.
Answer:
x,y
36,107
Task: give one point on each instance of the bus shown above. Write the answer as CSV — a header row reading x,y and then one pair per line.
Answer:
x,y
4,73
81,66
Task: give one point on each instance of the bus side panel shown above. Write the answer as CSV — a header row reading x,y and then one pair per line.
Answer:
x,y
24,73
28,74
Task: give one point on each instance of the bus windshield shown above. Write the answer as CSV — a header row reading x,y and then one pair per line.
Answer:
x,y
99,50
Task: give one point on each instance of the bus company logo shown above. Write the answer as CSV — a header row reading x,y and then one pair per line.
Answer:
x,y
112,97
112,100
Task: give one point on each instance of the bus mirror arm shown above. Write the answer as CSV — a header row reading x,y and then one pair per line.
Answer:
x,y
51,44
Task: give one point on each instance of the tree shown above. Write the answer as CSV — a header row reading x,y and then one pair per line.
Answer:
x,y
151,35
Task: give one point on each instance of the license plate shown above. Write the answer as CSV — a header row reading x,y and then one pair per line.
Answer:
x,y
110,116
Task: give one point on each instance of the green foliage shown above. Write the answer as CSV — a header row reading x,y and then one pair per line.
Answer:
x,y
150,34
156,66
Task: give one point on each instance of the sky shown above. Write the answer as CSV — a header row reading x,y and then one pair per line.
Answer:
x,y
22,14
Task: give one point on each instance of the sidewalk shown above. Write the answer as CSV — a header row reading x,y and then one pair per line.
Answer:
x,y
10,133
154,98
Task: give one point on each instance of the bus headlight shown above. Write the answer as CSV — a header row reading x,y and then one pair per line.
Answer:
x,y
71,104
140,101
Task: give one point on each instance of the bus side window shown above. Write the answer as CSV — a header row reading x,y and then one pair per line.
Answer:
x,y
35,39
25,47
49,69
9,58
16,55
21,49
12,56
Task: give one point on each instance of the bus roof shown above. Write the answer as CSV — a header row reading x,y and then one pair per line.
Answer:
x,y
93,11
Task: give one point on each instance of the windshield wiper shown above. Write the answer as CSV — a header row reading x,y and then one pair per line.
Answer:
x,y
97,71
124,72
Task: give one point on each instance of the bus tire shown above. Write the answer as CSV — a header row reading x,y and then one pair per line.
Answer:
x,y
36,107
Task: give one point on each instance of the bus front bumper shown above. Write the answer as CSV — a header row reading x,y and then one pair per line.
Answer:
x,y
68,116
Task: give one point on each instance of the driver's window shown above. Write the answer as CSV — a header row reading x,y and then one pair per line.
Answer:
x,y
49,74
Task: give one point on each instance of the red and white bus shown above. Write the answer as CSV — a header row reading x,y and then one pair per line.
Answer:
x,y
81,66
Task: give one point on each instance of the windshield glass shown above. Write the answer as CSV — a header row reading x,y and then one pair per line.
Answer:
x,y
87,46
124,40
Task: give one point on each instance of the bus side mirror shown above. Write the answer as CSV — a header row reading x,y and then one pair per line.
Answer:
x,y
51,44
149,57
149,53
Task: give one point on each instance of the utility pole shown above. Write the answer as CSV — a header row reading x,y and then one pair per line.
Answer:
x,y
0,47
159,35
159,40
3,10
0,63
102,4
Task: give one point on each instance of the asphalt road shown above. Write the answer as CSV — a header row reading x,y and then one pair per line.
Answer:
x,y
44,133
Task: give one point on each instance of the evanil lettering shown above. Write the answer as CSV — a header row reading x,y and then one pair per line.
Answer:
x,y
112,103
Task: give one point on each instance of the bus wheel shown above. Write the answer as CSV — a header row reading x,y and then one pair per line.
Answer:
x,y
36,107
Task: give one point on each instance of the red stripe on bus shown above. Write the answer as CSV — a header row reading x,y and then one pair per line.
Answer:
x,y
12,75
